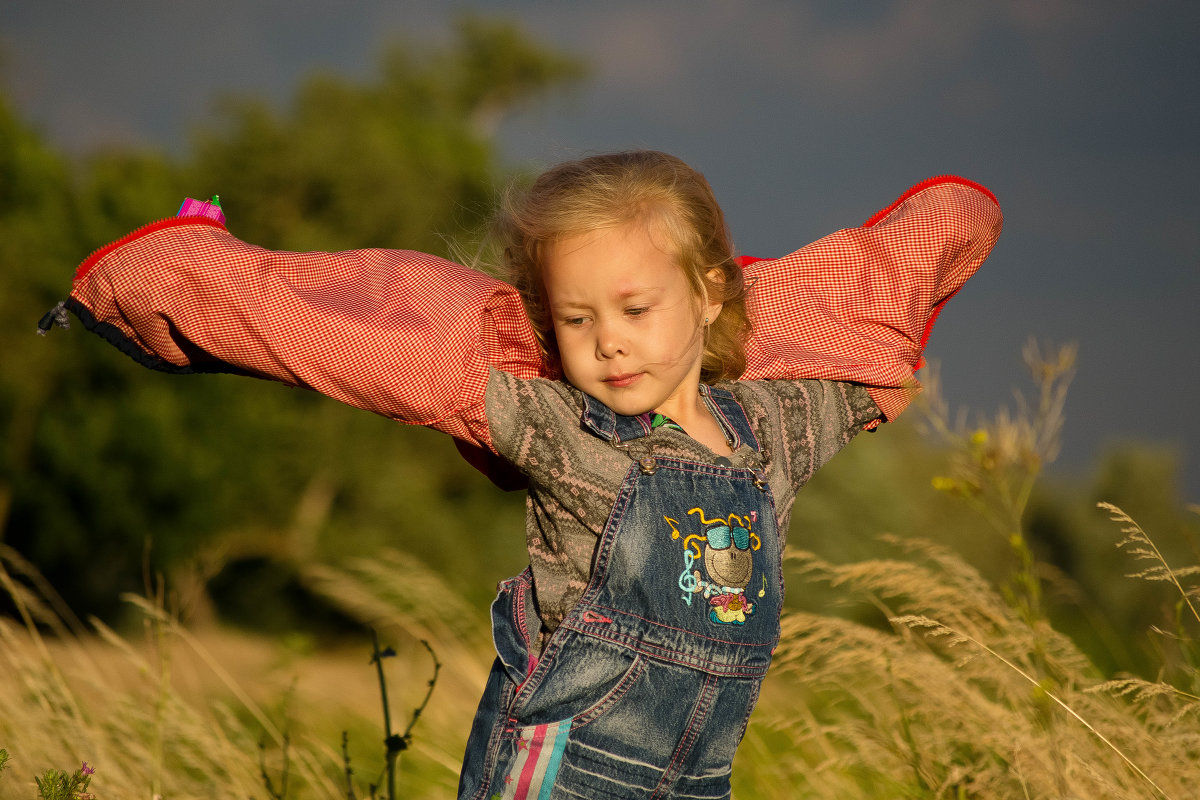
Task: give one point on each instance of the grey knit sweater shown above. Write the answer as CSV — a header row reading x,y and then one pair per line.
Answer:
x,y
574,475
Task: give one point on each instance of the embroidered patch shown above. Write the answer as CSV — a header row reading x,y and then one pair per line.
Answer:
x,y
535,768
725,551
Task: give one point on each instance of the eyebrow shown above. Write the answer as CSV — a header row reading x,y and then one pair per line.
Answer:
x,y
624,295
638,291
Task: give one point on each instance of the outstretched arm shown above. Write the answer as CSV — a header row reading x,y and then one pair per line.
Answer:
x,y
400,333
411,336
859,304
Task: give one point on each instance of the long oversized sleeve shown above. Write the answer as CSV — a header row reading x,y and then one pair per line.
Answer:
x,y
412,337
400,333
858,305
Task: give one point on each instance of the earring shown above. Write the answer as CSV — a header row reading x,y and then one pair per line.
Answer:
x,y
706,321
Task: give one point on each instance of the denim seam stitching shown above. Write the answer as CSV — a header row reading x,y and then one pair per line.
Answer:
x,y
696,722
496,740
631,676
675,628
664,654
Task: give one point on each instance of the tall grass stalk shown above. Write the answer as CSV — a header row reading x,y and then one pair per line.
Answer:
x,y
103,699
1138,544
954,638
931,682
996,464
876,709
936,684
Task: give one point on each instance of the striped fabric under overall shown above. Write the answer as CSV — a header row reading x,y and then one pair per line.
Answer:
x,y
533,772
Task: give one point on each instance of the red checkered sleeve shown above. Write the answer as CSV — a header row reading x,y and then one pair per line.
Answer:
x,y
400,333
858,305
412,336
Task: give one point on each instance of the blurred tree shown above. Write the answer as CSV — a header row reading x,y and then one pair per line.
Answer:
x,y
36,235
404,162
102,457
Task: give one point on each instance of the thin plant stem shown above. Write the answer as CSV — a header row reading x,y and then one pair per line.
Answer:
x,y
437,667
397,743
1120,517
346,764
956,636
377,656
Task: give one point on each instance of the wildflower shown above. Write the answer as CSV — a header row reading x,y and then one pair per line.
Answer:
x,y
87,770
944,484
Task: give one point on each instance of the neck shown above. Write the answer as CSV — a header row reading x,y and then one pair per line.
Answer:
x,y
694,417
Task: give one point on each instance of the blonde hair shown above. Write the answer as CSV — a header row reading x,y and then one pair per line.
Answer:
x,y
604,191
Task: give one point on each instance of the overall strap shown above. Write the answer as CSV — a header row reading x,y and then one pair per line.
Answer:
x,y
605,423
730,415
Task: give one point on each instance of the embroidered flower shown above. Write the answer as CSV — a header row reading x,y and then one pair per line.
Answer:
x,y
731,607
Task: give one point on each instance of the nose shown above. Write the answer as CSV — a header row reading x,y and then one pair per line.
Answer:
x,y
610,340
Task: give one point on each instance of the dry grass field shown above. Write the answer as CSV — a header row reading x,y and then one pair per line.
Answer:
x,y
954,695
919,679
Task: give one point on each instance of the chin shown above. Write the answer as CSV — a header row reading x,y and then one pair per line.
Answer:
x,y
625,406
628,409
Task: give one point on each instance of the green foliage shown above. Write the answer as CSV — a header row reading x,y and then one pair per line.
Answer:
x,y
192,474
58,785
402,162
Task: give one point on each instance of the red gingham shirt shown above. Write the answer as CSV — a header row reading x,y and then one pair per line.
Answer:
x,y
412,336
859,304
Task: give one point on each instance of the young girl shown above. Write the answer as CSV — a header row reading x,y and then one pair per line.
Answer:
x,y
659,485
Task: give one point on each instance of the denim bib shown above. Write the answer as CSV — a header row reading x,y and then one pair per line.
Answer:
x,y
645,688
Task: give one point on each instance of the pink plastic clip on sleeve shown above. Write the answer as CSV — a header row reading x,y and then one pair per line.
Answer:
x,y
200,208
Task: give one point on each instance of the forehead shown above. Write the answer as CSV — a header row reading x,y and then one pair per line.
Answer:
x,y
620,261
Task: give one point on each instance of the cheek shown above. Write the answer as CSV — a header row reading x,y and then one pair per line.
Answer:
x,y
689,334
571,352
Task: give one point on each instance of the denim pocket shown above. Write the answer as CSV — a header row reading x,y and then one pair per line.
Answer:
x,y
569,685
646,726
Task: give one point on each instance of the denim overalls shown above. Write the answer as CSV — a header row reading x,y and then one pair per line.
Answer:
x,y
646,687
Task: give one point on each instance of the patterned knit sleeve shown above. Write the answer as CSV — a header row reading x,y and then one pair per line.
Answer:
x,y
535,424
805,423
403,334
859,304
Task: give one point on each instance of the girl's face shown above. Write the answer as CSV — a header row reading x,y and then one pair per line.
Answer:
x,y
629,328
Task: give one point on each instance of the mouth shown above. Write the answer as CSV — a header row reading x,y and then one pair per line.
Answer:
x,y
621,381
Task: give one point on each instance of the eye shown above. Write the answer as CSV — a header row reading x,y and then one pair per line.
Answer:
x,y
637,311
574,322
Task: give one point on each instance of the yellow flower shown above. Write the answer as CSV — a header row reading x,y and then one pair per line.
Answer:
x,y
944,484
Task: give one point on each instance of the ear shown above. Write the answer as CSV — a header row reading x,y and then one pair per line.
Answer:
x,y
713,310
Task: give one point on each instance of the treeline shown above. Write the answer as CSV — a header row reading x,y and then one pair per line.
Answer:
x,y
113,475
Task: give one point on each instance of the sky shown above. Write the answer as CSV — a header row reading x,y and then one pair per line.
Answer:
x,y
1082,116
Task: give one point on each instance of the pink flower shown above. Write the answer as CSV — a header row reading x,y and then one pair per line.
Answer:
x,y
86,770
729,602
731,607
